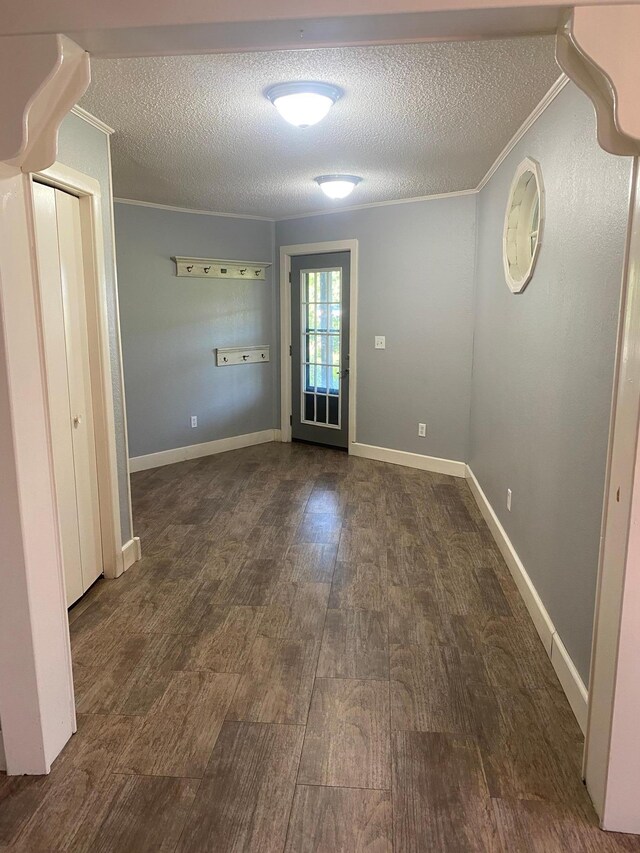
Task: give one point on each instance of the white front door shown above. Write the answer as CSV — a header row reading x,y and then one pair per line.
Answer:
x,y
60,260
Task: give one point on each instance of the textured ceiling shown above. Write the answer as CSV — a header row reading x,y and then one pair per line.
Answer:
x,y
419,119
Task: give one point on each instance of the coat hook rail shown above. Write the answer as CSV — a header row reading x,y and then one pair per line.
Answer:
x,y
219,268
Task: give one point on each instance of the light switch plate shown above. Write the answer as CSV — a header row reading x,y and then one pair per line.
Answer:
x,y
380,342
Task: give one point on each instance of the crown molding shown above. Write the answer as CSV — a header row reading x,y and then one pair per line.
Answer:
x,y
173,209
92,120
553,92
550,96
393,201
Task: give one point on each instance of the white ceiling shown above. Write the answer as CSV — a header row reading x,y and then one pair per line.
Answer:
x,y
416,120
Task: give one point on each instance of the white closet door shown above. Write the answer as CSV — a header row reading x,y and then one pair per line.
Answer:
x,y
58,385
83,436
59,248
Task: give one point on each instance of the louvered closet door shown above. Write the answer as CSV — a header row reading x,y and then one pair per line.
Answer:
x,y
59,248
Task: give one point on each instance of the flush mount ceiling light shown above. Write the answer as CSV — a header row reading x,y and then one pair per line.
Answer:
x,y
337,186
303,104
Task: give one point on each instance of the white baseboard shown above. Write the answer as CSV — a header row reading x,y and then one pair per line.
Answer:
x,y
572,684
131,552
566,671
195,451
410,460
536,608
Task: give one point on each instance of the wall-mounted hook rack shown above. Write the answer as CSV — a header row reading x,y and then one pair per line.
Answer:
x,y
216,268
241,355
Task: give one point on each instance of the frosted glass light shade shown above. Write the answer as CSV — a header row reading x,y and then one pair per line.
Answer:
x,y
303,104
337,186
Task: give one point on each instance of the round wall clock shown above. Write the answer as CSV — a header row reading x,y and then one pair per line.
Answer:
x,y
523,225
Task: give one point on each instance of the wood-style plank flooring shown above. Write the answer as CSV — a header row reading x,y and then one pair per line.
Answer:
x,y
316,653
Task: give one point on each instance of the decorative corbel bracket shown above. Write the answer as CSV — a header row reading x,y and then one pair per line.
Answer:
x,y
43,77
598,49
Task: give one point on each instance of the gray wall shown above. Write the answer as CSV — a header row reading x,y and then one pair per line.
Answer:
x,y
85,148
415,287
544,359
171,326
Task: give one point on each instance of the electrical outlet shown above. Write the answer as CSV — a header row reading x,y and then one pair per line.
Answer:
x,y
422,430
194,421
509,499
380,342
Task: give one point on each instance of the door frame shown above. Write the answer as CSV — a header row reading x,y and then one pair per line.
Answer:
x,y
611,766
286,253
89,193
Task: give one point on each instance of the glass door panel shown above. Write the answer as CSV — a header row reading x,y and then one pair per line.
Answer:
x,y
320,336
321,327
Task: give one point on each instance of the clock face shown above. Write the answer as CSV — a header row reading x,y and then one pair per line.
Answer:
x,y
523,225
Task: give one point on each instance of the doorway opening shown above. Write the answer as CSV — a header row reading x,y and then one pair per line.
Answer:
x,y
318,305
64,318
320,349
73,297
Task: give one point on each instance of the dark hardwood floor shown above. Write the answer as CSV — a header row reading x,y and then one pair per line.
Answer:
x,y
316,653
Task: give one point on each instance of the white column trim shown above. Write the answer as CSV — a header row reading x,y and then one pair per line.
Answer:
x,y
36,702
612,752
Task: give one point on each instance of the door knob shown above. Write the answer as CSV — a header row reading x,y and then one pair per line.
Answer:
x,y
77,420
344,373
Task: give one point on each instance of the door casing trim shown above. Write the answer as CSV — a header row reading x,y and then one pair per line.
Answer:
x,y
286,253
